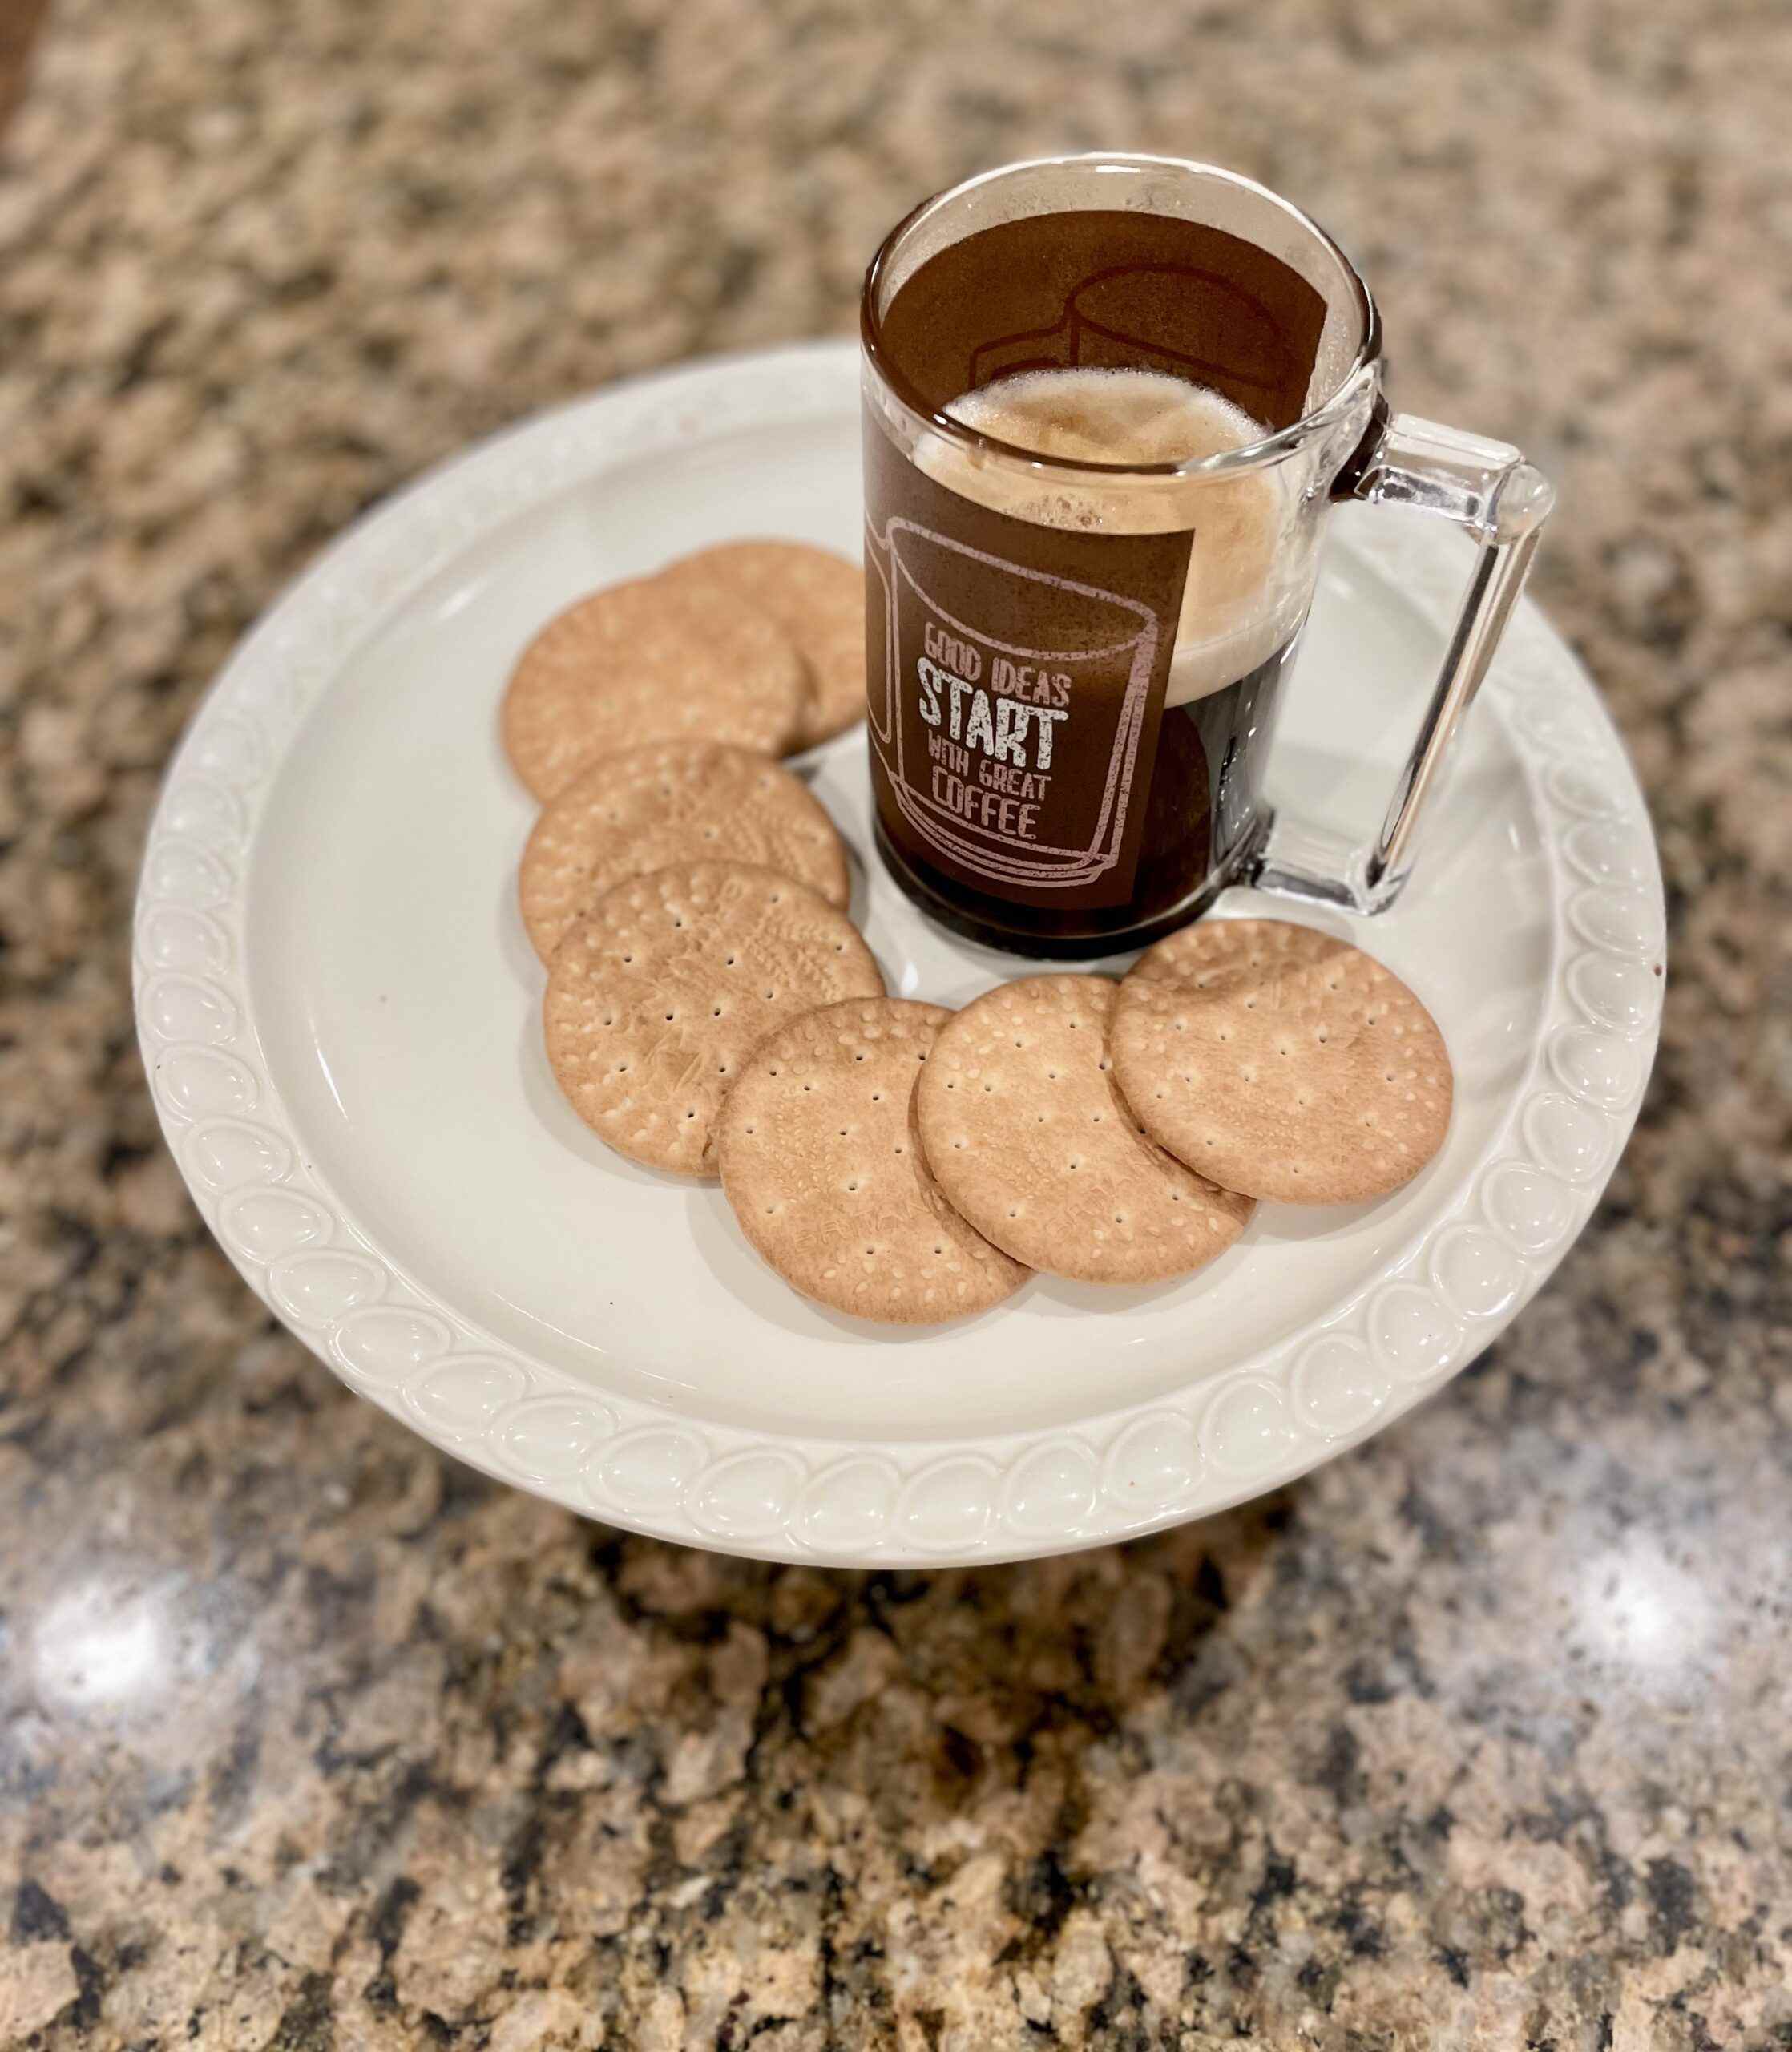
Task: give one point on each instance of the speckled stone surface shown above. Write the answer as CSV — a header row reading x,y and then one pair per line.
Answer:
x,y
310,1738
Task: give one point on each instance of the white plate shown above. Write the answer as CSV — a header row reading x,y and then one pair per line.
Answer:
x,y
339,1012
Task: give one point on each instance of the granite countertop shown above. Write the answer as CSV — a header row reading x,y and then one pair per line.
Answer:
x,y
312,1739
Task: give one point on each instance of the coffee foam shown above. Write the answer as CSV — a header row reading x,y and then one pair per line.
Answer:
x,y
1235,610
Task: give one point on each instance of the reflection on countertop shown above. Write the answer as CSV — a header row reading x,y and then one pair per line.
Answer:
x,y
309,1737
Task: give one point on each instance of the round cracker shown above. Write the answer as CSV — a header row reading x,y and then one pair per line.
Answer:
x,y
658,994
643,662
1029,1138
629,814
824,1167
1282,1061
818,598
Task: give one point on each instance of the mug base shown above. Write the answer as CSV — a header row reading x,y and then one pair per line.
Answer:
x,y
1027,943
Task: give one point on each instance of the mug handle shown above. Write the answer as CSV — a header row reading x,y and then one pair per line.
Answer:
x,y
1503,501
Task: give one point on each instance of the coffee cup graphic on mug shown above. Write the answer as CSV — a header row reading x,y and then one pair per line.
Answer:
x,y
1107,403
1106,324
972,754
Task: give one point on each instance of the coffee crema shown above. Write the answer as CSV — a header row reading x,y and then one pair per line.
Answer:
x,y
1235,610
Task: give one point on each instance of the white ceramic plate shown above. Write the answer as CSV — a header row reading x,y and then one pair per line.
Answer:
x,y
339,1013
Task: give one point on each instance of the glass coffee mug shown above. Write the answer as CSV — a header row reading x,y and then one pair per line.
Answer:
x,y
1107,401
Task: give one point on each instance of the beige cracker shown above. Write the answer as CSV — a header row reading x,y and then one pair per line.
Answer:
x,y
821,1162
818,598
658,994
629,814
641,662
1281,1061
1030,1140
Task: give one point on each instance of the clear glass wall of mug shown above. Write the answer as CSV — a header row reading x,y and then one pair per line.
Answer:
x,y
1107,403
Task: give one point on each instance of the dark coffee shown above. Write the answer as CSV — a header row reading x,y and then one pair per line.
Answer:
x,y
1205,816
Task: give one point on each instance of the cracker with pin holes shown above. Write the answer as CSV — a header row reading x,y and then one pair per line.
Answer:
x,y
1030,1140
1281,1062
657,996
641,662
629,814
818,598
824,1169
